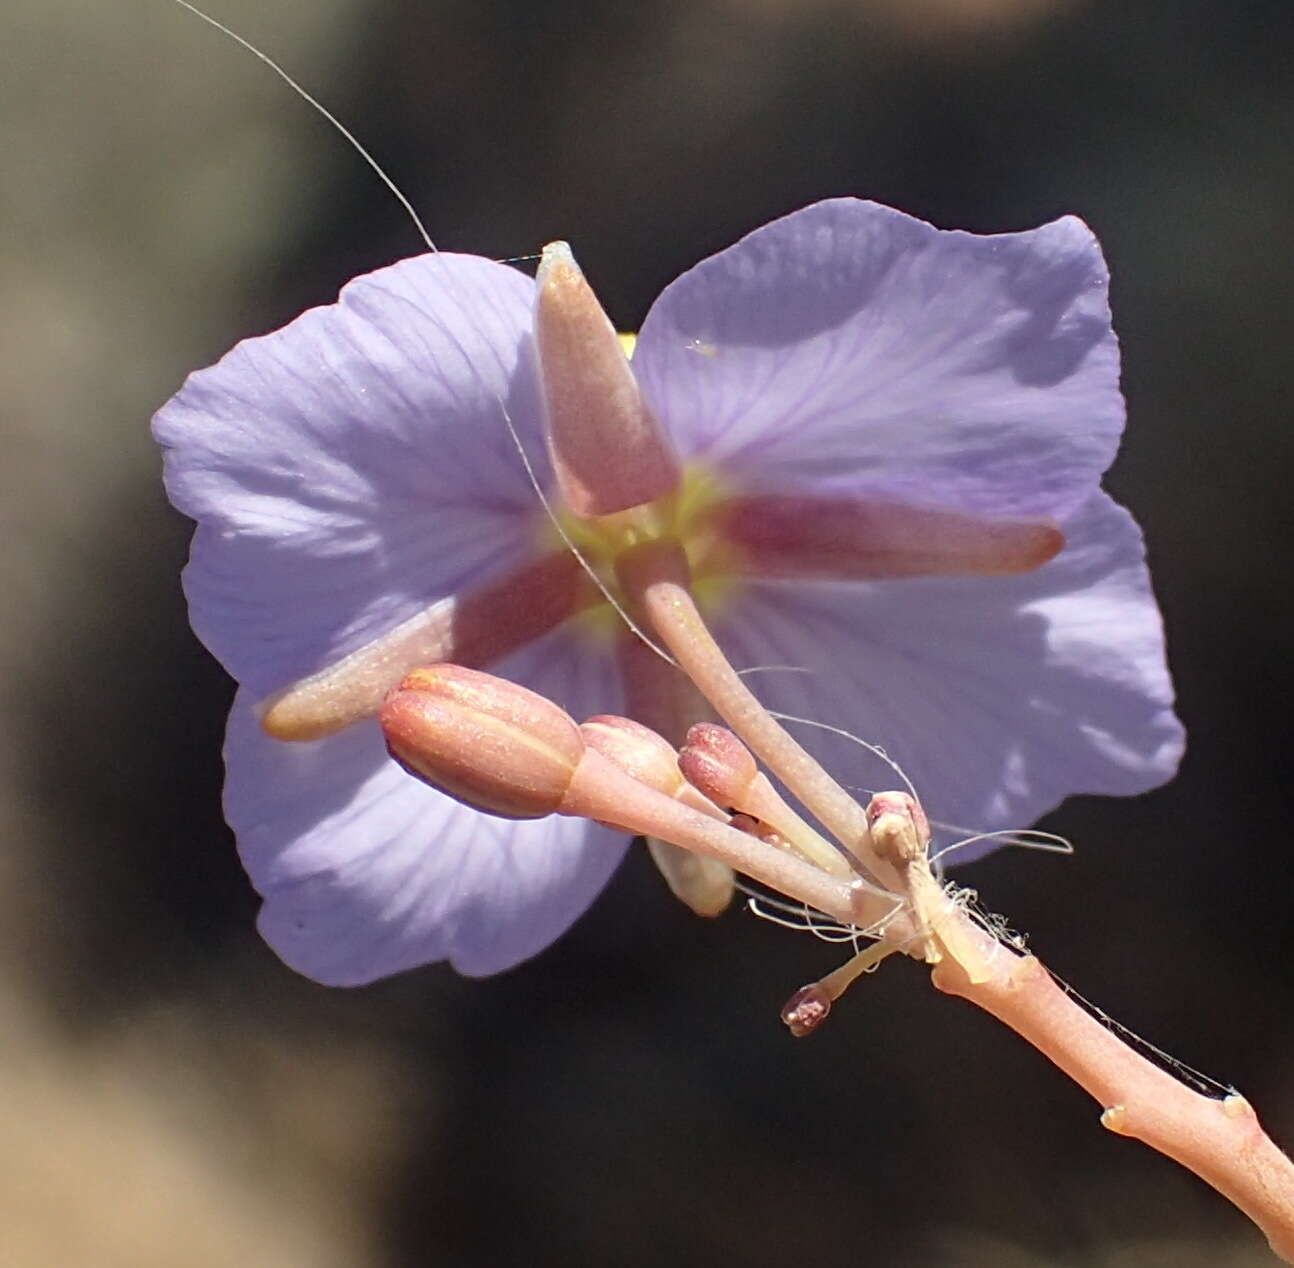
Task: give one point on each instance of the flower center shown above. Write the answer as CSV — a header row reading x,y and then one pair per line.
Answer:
x,y
725,537
689,515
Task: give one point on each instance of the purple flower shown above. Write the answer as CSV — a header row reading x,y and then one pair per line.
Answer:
x,y
887,428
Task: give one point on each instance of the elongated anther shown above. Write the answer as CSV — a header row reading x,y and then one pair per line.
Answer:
x,y
472,629
648,757
717,763
855,539
704,885
609,451
486,742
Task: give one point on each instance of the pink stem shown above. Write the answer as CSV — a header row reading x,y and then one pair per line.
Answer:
x,y
1221,1141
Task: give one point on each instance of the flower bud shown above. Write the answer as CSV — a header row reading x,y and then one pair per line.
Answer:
x,y
899,828
717,763
636,749
806,1010
703,884
609,452
486,742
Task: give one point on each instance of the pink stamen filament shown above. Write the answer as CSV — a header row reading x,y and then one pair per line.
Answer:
x,y
600,790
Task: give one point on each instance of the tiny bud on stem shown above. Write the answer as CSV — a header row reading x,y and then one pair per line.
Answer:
x,y
900,830
636,749
721,766
806,1010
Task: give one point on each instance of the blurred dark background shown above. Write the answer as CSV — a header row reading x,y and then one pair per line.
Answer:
x,y
172,1095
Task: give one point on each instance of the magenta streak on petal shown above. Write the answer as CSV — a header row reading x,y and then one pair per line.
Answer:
x,y
472,629
848,539
609,452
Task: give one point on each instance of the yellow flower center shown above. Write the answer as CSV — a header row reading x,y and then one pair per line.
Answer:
x,y
686,515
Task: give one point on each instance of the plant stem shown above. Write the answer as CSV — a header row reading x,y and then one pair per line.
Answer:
x,y
1221,1141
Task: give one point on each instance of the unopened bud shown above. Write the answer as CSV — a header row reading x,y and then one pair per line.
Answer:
x,y
636,749
704,884
899,828
486,742
806,1010
717,763
609,452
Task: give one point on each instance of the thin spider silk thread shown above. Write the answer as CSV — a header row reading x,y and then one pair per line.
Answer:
x,y
1023,838
318,106
464,309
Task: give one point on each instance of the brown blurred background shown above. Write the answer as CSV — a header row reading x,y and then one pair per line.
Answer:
x,y
169,1094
